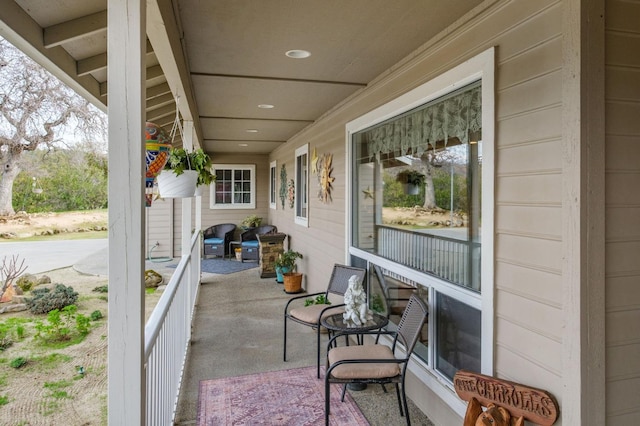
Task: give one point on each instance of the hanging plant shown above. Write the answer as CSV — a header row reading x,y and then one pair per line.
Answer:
x,y
411,177
198,160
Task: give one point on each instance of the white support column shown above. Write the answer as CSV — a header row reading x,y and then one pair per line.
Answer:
x,y
583,222
126,47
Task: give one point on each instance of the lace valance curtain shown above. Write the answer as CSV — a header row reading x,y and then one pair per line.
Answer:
x,y
416,132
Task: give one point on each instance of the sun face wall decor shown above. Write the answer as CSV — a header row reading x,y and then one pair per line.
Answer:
x,y
324,177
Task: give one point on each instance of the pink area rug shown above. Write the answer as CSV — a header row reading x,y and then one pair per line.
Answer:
x,y
290,397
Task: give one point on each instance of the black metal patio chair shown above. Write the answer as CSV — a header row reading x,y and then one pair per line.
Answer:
x,y
310,315
377,363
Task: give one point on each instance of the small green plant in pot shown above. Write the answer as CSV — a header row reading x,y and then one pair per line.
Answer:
x,y
251,221
286,264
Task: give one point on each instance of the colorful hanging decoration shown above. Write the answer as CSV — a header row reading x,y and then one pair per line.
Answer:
x,y
291,193
157,145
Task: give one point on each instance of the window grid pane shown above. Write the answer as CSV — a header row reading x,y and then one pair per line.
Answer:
x,y
233,186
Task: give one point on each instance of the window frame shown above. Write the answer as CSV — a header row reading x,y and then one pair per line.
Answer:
x,y
273,183
237,206
301,186
480,67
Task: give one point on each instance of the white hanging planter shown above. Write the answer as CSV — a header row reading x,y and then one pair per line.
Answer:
x,y
200,190
172,186
411,189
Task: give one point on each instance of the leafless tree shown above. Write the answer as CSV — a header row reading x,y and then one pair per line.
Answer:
x,y
9,271
35,111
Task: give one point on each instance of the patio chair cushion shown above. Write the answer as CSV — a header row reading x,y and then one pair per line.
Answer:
x,y
214,241
252,243
311,313
365,370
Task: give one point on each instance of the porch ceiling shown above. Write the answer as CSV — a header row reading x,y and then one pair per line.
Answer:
x,y
225,57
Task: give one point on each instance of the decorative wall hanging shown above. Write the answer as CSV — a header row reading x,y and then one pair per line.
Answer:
x,y
324,177
283,185
456,116
291,193
157,145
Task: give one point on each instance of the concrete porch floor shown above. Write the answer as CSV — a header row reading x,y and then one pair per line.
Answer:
x,y
238,329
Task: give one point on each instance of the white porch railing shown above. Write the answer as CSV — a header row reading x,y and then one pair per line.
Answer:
x,y
167,335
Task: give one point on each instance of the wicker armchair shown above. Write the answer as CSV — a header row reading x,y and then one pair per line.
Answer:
x,y
249,241
377,363
216,239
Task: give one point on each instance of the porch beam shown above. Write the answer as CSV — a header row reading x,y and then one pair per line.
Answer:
x,y
126,375
166,37
74,29
24,33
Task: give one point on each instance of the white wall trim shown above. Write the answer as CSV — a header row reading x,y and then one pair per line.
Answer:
x,y
233,206
300,151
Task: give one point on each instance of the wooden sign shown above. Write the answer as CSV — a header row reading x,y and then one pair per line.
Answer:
x,y
533,404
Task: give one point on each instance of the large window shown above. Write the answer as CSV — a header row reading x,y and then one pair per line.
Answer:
x,y
234,188
302,185
421,191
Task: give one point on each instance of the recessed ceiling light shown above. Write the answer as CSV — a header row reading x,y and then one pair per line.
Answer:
x,y
298,54
265,106
243,144
252,130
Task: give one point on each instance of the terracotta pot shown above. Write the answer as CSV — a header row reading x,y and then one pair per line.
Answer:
x,y
292,282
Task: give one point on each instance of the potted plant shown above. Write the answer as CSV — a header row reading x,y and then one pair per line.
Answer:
x,y
285,266
251,221
412,181
183,172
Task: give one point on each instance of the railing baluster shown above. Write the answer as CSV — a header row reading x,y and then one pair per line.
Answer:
x,y
167,335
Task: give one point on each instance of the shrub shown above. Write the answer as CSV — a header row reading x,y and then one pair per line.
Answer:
x,y
101,289
96,315
60,325
45,300
18,362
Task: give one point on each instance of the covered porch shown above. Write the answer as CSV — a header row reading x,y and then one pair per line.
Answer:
x,y
228,340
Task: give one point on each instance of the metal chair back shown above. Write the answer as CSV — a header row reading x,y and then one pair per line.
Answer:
x,y
339,281
410,325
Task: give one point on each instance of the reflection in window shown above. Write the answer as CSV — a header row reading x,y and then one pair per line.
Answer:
x,y
416,204
234,187
459,336
418,198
